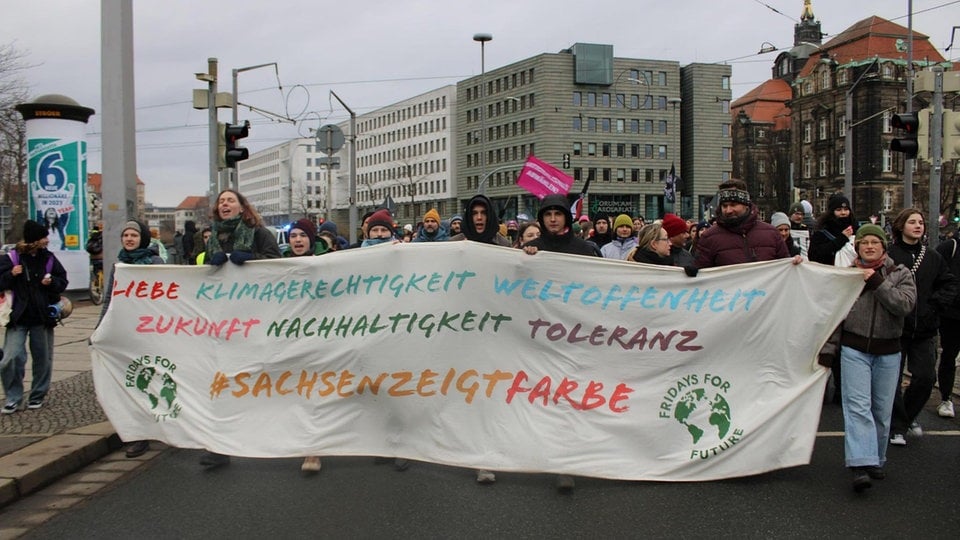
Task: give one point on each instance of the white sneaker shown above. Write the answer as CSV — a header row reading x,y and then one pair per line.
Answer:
x,y
915,430
897,440
945,409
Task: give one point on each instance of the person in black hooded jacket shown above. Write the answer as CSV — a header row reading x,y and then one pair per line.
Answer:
x,y
481,223
556,233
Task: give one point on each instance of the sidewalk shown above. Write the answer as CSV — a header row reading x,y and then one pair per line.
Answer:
x,y
40,446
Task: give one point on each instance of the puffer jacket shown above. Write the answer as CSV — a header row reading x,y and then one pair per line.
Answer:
x,y
749,241
618,248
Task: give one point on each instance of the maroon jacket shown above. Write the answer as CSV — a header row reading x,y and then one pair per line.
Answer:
x,y
750,241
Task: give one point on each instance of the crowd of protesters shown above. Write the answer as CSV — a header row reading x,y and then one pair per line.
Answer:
x,y
909,296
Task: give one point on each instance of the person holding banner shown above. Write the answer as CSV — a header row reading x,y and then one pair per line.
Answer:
x,y
482,224
36,278
556,221
237,234
868,343
653,246
739,236
134,249
556,229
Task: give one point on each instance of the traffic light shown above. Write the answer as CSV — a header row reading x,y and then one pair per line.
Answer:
x,y
230,153
951,135
566,161
909,123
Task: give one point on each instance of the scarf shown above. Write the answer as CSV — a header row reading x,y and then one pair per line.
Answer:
x,y
232,228
375,241
136,256
874,265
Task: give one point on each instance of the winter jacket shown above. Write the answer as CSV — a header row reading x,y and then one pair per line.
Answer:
x,y
936,288
751,240
682,257
875,322
618,248
31,299
950,251
828,240
565,242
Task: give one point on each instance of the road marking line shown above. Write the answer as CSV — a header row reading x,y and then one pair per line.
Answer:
x,y
949,433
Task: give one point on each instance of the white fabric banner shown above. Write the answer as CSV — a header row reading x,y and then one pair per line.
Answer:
x,y
478,356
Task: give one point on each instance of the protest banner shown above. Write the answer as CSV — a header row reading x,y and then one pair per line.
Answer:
x,y
477,356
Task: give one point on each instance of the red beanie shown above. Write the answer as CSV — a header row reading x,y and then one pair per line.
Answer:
x,y
381,217
674,225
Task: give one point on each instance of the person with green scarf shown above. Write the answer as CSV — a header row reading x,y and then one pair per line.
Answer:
x,y
134,249
238,232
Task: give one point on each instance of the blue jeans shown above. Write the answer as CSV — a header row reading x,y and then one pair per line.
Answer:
x,y
13,367
869,383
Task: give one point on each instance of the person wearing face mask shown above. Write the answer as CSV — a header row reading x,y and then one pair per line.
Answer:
x,y
134,249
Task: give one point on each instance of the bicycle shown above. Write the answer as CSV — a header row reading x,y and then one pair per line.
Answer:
x,y
96,281
95,249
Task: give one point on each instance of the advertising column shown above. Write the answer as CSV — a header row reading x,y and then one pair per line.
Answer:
x,y
57,178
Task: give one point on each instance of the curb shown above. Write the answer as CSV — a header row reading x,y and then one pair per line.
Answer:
x,y
40,464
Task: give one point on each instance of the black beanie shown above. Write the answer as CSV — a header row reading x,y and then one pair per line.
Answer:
x,y
838,200
33,231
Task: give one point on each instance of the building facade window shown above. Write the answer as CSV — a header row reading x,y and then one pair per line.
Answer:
x,y
807,132
823,124
887,160
822,167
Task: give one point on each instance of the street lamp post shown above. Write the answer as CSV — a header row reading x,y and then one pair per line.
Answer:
x,y
483,39
234,180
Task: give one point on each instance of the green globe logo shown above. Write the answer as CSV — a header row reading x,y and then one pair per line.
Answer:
x,y
695,410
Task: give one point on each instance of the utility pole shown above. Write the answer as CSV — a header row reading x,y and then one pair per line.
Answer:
x,y
936,158
908,164
210,77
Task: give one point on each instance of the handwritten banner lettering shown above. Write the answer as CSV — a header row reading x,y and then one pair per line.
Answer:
x,y
476,356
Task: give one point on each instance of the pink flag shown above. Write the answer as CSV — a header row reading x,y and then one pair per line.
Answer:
x,y
542,179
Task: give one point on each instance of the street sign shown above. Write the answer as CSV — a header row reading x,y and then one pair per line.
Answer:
x,y
329,139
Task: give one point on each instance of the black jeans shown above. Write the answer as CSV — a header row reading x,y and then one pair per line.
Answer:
x,y
920,356
950,343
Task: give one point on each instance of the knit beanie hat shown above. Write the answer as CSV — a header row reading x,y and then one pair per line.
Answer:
x,y
381,217
734,195
33,231
872,230
674,225
141,228
432,214
456,217
838,200
778,219
328,226
503,229
622,220
796,207
307,227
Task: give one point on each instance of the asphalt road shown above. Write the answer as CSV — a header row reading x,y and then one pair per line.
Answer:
x,y
171,497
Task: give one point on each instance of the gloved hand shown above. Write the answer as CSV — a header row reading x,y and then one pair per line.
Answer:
x,y
240,257
217,259
691,271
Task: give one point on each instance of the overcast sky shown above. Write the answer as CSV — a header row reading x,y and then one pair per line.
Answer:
x,y
373,53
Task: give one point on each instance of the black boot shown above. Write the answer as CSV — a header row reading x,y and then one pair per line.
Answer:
x,y
861,479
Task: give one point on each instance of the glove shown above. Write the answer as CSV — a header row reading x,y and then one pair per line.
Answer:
x,y
825,360
217,259
691,271
240,257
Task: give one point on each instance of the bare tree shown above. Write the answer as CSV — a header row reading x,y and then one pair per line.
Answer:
x,y
13,138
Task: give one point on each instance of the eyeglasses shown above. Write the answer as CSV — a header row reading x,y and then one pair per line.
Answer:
x,y
662,240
